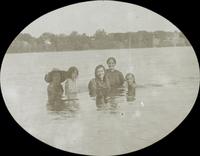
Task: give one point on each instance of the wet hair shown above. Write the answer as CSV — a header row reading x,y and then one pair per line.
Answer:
x,y
49,76
72,70
98,67
111,58
130,74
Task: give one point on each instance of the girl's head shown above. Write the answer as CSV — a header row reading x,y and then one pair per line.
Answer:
x,y
55,76
111,61
72,73
100,72
130,78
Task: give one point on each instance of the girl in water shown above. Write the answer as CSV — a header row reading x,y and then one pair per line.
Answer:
x,y
99,87
130,85
114,76
71,89
55,88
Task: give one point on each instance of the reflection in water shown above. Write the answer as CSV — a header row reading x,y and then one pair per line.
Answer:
x,y
70,108
63,108
114,99
130,98
113,103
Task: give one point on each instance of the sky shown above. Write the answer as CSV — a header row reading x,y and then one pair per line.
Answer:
x,y
87,17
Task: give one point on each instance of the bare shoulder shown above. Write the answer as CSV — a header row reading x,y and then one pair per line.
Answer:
x,y
92,82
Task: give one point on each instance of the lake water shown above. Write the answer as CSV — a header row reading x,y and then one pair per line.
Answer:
x,y
168,83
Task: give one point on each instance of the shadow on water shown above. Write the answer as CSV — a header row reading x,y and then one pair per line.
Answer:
x,y
149,85
63,108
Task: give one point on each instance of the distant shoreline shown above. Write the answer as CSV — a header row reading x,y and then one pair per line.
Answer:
x,y
101,40
94,49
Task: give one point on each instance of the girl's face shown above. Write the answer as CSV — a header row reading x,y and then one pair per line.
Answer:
x,y
100,73
111,64
74,75
130,79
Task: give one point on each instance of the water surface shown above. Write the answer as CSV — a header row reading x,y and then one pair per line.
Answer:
x,y
168,83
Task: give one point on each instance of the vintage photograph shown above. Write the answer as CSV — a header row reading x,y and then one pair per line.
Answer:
x,y
100,78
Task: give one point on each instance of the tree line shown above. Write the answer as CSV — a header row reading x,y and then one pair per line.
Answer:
x,y
46,42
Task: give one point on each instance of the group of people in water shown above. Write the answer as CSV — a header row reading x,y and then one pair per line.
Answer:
x,y
106,84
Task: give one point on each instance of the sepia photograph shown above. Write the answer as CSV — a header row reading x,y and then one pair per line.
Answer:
x,y
100,78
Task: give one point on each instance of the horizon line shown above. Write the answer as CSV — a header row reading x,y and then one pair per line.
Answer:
x,y
88,34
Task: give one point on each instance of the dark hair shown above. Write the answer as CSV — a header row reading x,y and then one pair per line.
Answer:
x,y
111,58
130,74
49,76
97,67
70,71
